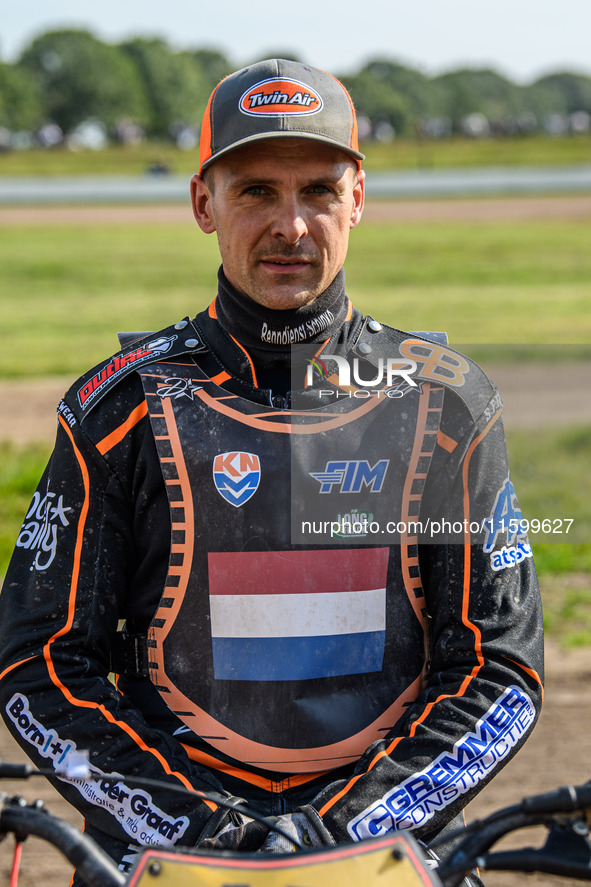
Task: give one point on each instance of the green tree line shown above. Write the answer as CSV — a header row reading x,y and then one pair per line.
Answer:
x,y
67,77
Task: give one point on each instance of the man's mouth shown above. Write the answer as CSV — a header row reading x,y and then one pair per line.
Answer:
x,y
282,260
292,263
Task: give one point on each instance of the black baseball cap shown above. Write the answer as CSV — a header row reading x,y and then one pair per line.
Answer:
x,y
278,98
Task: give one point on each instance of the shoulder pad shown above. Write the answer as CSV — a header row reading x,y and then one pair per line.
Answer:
x,y
138,350
433,359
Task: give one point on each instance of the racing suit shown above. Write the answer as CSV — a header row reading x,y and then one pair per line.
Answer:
x,y
279,645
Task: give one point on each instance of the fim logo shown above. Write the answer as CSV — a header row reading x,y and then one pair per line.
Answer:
x,y
352,476
236,476
353,525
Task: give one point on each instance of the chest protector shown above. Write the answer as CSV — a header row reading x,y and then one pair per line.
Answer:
x,y
286,644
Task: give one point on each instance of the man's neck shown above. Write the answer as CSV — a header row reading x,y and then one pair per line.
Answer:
x,y
265,329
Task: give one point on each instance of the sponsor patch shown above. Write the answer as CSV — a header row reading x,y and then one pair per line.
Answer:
x,y
353,525
236,476
493,407
416,800
437,363
352,475
297,615
66,413
510,556
133,808
39,532
280,97
177,387
291,335
120,365
506,521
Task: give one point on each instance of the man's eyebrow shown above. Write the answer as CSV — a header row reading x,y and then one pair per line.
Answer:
x,y
249,180
245,180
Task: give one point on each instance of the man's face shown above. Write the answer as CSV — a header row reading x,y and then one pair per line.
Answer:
x,y
282,210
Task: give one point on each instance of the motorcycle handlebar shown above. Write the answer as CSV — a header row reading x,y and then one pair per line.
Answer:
x,y
572,802
556,857
97,869
566,799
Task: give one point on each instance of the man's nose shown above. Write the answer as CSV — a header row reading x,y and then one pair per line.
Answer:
x,y
289,223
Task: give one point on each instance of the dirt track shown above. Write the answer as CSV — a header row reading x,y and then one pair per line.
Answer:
x,y
559,751
530,395
473,210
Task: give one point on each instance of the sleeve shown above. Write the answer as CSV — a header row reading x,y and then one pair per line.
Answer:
x,y
59,609
484,685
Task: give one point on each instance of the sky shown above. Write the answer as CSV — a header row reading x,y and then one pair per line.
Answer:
x,y
520,39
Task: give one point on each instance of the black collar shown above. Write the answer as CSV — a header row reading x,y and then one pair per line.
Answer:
x,y
267,330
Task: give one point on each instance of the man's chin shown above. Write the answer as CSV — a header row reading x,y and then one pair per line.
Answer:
x,y
283,294
279,300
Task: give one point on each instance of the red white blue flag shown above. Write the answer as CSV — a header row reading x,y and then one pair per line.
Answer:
x,y
297,615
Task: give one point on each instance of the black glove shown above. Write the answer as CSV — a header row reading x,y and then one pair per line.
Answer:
x,y
239,833
306,828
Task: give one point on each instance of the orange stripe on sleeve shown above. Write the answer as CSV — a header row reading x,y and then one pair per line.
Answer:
x,y
116,436
469,624
85,703
15,665
447,443
529,671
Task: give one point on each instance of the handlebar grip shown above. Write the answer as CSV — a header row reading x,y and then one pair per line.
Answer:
x,y
95,867
16,771
566,799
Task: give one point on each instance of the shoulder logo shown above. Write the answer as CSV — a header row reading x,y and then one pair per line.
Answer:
x,y
278,97
236,476
120,365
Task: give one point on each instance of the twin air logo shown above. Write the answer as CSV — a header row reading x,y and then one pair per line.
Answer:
x,y
236,476
278,97
352,476
416,800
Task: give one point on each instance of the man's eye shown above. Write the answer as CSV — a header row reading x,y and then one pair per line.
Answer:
x,y
254,190
320,189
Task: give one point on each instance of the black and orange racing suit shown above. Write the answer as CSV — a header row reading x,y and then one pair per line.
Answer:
x,y
301,625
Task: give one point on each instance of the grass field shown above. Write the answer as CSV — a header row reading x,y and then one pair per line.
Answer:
x,y
66,291
550,472
399,154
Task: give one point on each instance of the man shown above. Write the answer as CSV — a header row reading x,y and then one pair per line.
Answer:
x,y
331,612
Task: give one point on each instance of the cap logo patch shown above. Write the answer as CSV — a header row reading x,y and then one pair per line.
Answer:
x,y
278,97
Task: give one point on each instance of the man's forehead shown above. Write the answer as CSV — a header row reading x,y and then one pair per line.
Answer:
x,y
273,152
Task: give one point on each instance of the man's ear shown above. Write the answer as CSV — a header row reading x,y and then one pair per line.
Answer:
x,y
358,199
201,201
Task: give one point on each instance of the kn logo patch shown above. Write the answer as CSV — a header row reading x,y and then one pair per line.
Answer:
x,y
280,96
236,476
